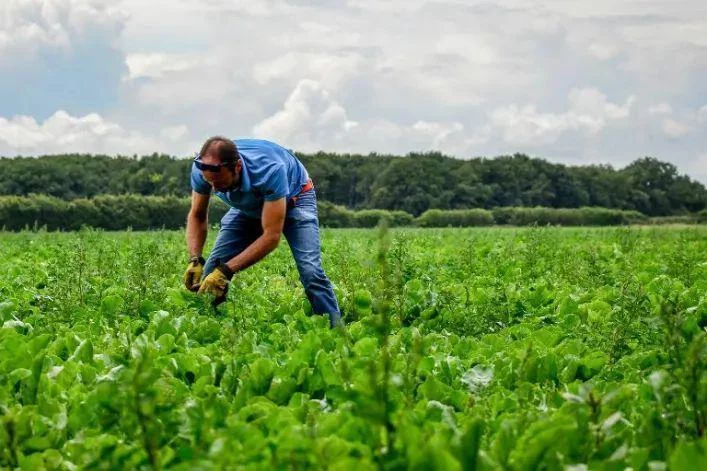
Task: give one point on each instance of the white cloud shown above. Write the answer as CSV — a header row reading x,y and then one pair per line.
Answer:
x,y
255,8
328,69
604,51
674,128
528,127
310,115
589,111
384,136
448,137
61,54
311,119
175,133
702,115
28,26
393,76
389,6
91,133
471,46
660,109
438,131
194,87
590,102
157,65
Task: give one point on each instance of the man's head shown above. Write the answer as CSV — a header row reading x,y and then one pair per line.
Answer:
x,y
221,152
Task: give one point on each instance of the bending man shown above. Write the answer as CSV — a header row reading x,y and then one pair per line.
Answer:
x,y
270,194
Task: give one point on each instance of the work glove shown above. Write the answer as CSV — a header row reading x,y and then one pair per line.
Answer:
x,y
193,274
216,283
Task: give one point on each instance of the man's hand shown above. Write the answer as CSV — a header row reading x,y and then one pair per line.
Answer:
x,y
216,283
193,274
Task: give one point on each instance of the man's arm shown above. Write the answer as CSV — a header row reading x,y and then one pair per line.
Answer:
x,y
273,219
197,223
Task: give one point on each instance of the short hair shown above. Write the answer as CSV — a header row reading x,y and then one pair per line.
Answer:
x,y
225,149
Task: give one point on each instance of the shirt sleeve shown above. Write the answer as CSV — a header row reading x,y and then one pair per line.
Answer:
x,y
198,183
274,184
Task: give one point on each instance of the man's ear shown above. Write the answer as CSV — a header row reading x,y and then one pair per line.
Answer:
x,y
237,168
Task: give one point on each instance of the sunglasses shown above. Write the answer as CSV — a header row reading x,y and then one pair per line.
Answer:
x,y
211,167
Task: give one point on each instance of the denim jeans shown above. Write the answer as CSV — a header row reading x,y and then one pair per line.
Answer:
x,y
301,230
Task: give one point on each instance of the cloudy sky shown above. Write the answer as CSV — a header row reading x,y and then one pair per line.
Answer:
x,y
568,80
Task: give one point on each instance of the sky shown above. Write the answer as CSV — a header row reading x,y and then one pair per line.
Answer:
x,y
576,82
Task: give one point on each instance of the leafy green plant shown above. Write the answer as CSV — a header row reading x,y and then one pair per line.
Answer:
x,y
480,349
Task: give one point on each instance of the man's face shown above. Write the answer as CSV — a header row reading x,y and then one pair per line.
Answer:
x,y
223,180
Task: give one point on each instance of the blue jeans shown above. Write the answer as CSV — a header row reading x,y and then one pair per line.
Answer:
x,y
301,230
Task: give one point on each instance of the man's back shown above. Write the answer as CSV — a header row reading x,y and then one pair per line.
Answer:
x,y
269,172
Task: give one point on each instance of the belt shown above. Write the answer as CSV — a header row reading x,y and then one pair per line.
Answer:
x,y
305,188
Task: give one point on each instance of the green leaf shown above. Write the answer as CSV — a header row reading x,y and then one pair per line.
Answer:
x,y
110,305
425,367
362,302
542,441
166,342
598,310
326,369
434,389
592,364
19,374
470,445
434,456
367,347
207,331
6,310
689,455
83,353
146,307
262,371
281,389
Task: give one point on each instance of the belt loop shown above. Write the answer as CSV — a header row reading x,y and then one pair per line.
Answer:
x,y
309,185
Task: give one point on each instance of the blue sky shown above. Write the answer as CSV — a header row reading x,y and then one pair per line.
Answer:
x,y
577,82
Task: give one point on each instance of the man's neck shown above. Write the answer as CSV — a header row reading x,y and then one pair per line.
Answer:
x,y
237,181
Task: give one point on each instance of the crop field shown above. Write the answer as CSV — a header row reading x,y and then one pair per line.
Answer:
x,y
474,349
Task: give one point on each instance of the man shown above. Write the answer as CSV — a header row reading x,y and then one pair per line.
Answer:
x,y
270,194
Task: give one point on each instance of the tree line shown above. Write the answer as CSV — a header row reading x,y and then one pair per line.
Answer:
x,y
413,183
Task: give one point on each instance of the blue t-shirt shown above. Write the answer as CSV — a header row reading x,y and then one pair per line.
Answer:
x,y
269,172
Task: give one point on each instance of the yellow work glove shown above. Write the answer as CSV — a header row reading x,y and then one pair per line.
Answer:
x,y
193,274
216,283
